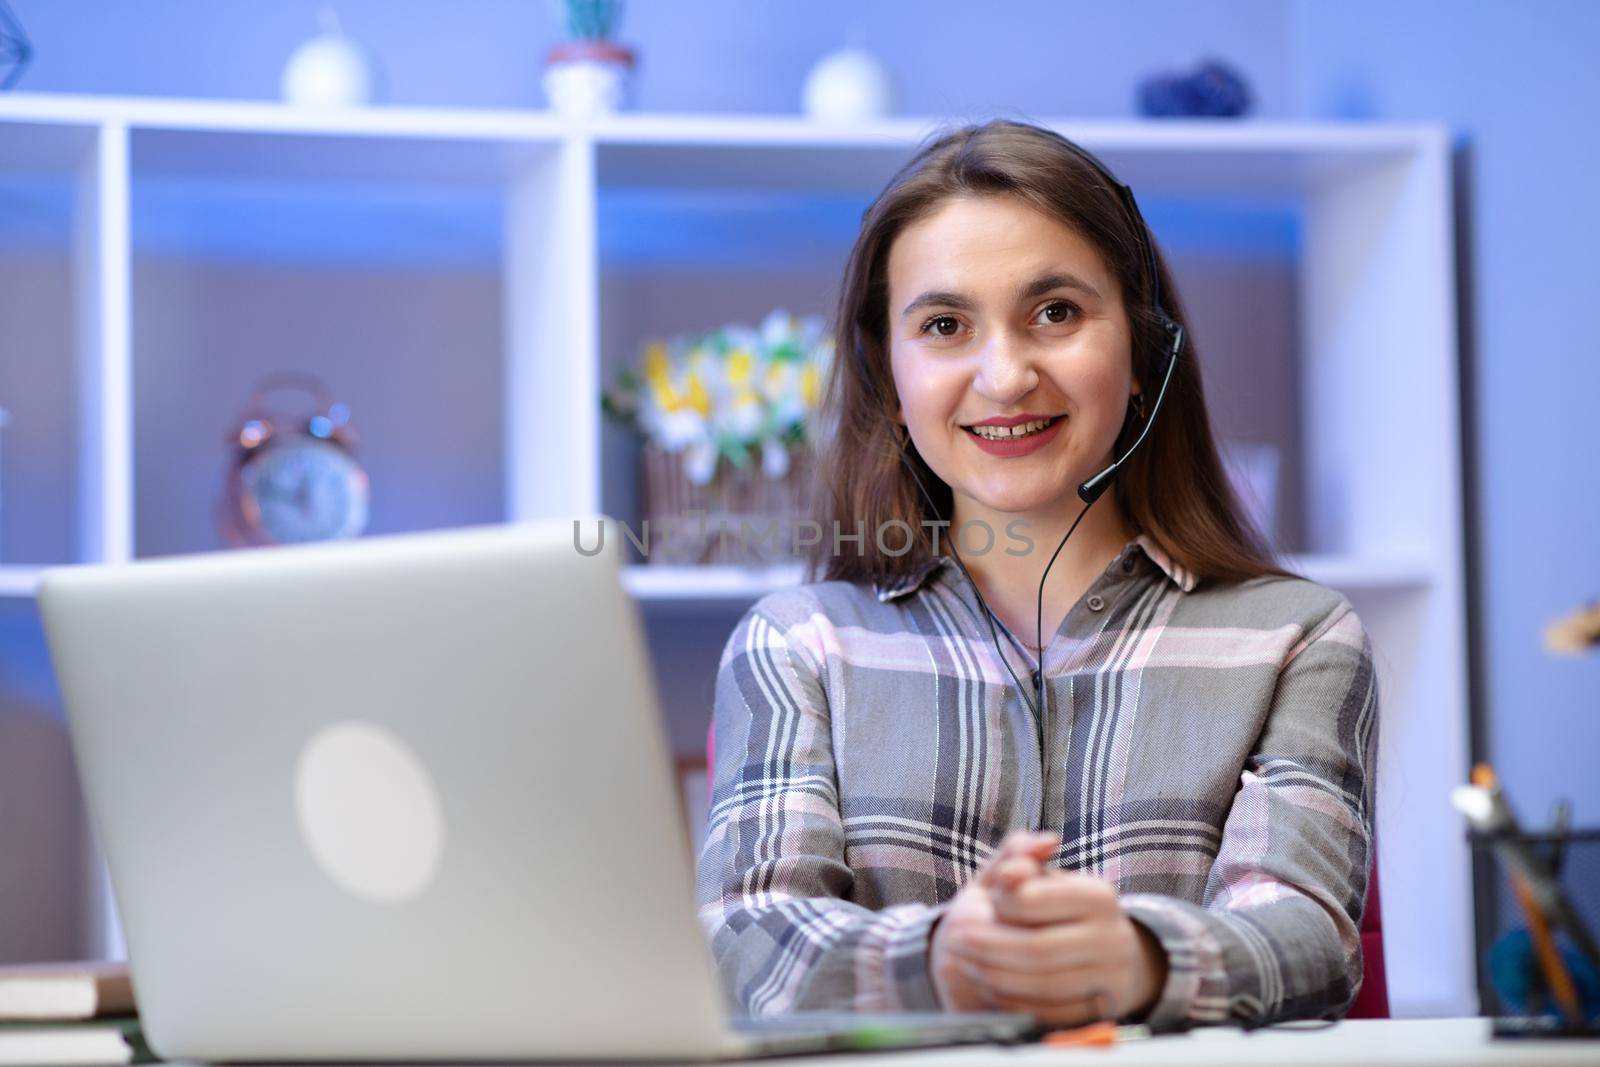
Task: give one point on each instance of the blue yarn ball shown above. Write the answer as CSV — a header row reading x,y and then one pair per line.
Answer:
x,y
1213,89
1166,95
1220,88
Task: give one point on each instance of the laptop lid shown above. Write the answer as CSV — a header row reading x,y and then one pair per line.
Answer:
x,y
399,797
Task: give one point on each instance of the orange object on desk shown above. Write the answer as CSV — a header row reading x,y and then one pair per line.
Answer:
x,y
1100,1033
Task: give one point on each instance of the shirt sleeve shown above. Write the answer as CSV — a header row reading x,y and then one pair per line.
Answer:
x,y
772,883
1277,936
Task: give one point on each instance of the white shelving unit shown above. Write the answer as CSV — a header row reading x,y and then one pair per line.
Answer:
x,y
564,213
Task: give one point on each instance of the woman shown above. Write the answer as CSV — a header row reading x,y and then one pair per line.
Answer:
x,y
1162,813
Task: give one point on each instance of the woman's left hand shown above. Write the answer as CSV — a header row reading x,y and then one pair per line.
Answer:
x,y
1064,951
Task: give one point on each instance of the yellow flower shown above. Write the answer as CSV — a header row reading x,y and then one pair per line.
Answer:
x,y
655,362
699,399
667,398
740,363
810,385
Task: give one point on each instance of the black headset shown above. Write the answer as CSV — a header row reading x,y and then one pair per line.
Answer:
x,y
1090,490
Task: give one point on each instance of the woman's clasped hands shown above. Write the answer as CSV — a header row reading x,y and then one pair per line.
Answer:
x,y
1024,937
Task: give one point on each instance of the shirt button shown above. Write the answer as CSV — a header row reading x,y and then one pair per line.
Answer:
x,y
1096,602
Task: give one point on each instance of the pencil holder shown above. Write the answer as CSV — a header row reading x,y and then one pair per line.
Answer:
x,y
1527,998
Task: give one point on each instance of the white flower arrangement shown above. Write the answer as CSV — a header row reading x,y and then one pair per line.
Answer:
x,y
733,394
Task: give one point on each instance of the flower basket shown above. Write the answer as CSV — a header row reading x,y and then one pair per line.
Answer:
x,y
740,517
725,423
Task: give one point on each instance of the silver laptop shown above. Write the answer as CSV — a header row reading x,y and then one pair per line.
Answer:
x,y
404,797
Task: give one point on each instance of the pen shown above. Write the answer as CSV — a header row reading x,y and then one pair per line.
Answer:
x,y
1556,975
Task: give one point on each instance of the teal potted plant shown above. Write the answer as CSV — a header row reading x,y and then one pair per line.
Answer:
x,y
588,73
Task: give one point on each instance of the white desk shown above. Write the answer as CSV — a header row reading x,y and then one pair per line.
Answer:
x,y
1354,1043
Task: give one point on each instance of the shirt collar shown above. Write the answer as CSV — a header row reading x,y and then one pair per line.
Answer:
x,y
1181,576
892,588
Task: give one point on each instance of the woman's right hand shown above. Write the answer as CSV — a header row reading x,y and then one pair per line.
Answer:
x,y
1021,856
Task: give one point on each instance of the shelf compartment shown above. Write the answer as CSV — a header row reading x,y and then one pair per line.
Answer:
x,y
256,252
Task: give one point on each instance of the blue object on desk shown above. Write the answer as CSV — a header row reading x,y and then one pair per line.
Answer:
x,y
1514,969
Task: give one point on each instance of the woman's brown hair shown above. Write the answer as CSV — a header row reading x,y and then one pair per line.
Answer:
x,y
1174,487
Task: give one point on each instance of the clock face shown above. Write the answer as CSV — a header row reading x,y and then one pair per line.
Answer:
x,y
305,490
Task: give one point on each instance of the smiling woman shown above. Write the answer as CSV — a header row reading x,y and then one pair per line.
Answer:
x,y
1001,265
1195,750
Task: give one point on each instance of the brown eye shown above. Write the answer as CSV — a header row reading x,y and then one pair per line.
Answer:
x,y
1063,306
938,319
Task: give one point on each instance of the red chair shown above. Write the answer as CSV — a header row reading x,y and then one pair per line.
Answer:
x,y
1372,1002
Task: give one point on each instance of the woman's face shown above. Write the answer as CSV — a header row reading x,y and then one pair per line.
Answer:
x,y
995,311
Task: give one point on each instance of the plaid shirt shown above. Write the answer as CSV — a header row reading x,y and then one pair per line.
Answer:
x,y
1209,751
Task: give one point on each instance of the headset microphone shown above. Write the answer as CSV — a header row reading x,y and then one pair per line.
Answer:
x,y
1090,490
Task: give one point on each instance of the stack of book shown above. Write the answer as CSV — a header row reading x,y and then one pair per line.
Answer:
x,y
60,1013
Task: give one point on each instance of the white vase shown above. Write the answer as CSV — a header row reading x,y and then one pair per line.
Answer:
x,y
330,70
848,85
587,78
